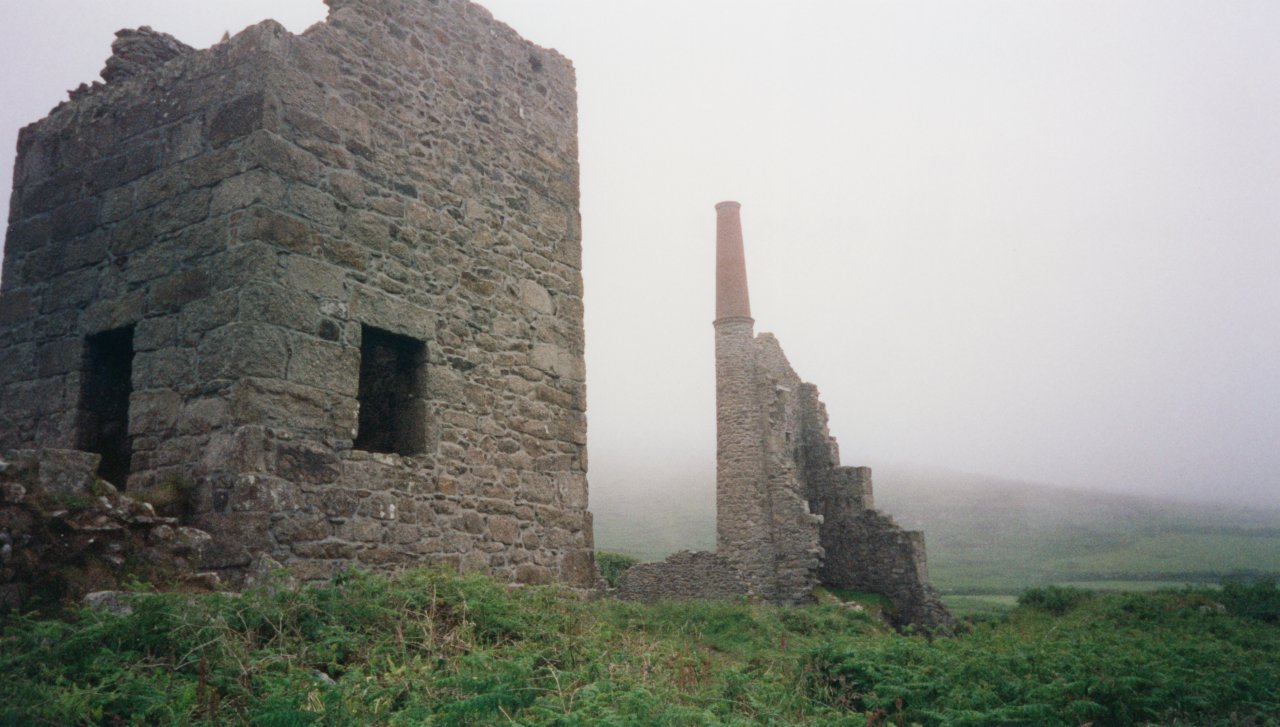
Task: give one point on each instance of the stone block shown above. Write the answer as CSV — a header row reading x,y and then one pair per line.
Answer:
x,y
65,472
302,528
235,120
504,529
73,290
238,536
17,307
239,350
255,187
244,449
176,290
279,305
535,297
154,411
74,218
533,575
300,408
280,230
152,334
58,357
307,462
206,314
168,367
316,277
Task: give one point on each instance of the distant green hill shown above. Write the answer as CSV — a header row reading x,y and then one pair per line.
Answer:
x,y
989,535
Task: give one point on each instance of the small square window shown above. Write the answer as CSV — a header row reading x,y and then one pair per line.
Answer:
x,y
393,407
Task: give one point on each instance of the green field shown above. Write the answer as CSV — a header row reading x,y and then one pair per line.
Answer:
x,y
983,606
429,648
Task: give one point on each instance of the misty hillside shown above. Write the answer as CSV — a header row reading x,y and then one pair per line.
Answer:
x,y
988,535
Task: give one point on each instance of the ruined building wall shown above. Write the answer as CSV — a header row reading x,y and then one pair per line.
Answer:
x,y
858,546
683,575
763,525
789,517
254,214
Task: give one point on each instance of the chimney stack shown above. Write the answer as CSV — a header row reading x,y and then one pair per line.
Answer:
x,y
732,300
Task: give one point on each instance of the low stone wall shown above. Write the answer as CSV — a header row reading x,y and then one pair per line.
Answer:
x,y
681,576
65,533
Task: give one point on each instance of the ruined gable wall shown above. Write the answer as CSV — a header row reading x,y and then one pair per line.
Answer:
x,y
877,555
121,215
859,547
793,528
863,549
743,510
436,197
407,165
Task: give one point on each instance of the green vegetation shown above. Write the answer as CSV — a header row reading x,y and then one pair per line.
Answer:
x,y
613,565
428,648
866,598
980,607
1260,600
1054,599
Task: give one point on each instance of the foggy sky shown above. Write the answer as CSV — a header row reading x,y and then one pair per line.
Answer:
x,y
1033,239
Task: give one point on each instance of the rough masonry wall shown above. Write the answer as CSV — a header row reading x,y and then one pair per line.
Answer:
x,y
822,526
410,165
793,528
862,548
742,504
681,576
877,555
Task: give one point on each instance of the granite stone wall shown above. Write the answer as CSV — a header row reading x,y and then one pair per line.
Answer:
x,y
243,215
681,576
860,547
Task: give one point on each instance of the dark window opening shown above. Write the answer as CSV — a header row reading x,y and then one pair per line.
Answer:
x,y
104,402
392,400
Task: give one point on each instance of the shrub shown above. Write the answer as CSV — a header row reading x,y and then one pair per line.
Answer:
x,y
613,565
1054,599
1259,600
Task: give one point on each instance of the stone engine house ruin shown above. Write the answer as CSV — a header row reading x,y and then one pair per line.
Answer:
x,y
320,294
789,517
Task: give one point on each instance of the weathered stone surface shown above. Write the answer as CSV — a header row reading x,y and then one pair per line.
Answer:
x,y
135,51
248,212
681,576
64,534
788,516
114,602
65,472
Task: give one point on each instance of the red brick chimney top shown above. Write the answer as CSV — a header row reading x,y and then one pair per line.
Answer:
x,y
732,300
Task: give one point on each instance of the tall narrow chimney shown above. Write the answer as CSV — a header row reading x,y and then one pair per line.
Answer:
x,y
743,511
732,300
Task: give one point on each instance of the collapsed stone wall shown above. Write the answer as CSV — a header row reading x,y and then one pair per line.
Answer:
x,y
65,533
789,517
878,556
683,575
245,214
861,548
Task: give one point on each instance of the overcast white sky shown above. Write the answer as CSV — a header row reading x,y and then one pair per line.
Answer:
x,y
1032,239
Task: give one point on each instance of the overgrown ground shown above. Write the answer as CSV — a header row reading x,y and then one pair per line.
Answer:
x,y
426,648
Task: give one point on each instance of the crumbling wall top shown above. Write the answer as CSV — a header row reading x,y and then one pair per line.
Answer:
x,y
135,51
